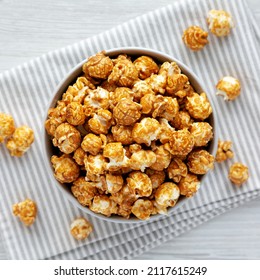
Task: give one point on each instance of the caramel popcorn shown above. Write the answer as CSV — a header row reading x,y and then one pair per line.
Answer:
x,y
104,205
165,131
142,159
122,134
147,102
146,66
146,131
26,211
200,162
163,159
177,170
189,185
80,228
228,87
167,194
127,112
202,133
114,183
176,83
95,165
139,183
157,82
170,68
98,66
142,209
108,86
118,94
65,168
198,106
84,191
182,120
20,141
7,126
101,122
220,22
140,89
165,107
195,38
75,114
224,151
156,177
238,173
79,155
92,144
67,138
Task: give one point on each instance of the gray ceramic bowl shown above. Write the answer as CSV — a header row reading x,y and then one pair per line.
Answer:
x,y
71,77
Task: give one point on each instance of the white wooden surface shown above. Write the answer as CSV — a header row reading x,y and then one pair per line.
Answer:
x,y
29,28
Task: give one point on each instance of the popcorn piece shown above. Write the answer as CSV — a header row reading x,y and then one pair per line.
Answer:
x,y
139,183
119,94
80,228
238,173
146,131
165,131
140,89
200,162
189,185
98,66
134,148
142,209
163,159
104,205
228,87
122,134
75,114
101,121
165,107
195,38
79,155
177,170
170,68
180,143
156,177
26,211
127,112
20,141
108,86
202,133
224,151
7,126
95,165
124,73
146,66
220,22
67,138
167,194
198,106
114,183
147,102
142,159
181,120
157,82
84,191
65,168
92,144
175,83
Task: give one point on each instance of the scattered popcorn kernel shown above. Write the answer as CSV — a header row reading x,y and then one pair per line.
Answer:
x,y
142,159
228,87
118,94
156,177
180,143
84,191
167,194
198,106
98,66
202,133
142,209
65,168
238,173
124,73
220,22
114,183
189,185
80,228
146,131
67,138
92,144
200,162
146,66
26,211
157,82
140,89
122,134
165,107
195,38
163,159
75,114
20,141
127,112
79,155
101,122
104,205
95,165
7,126
177,170
140,183
175,83
181,120
165,131
224,151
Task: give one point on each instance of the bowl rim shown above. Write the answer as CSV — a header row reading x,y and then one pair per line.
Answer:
x,y
68,79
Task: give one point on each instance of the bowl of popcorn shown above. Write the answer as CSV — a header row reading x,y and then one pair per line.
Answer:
x,y
130,135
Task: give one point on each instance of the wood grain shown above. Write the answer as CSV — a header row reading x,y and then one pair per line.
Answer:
x,y
30,28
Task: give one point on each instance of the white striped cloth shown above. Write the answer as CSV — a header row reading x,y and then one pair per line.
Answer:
x,y
26,90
